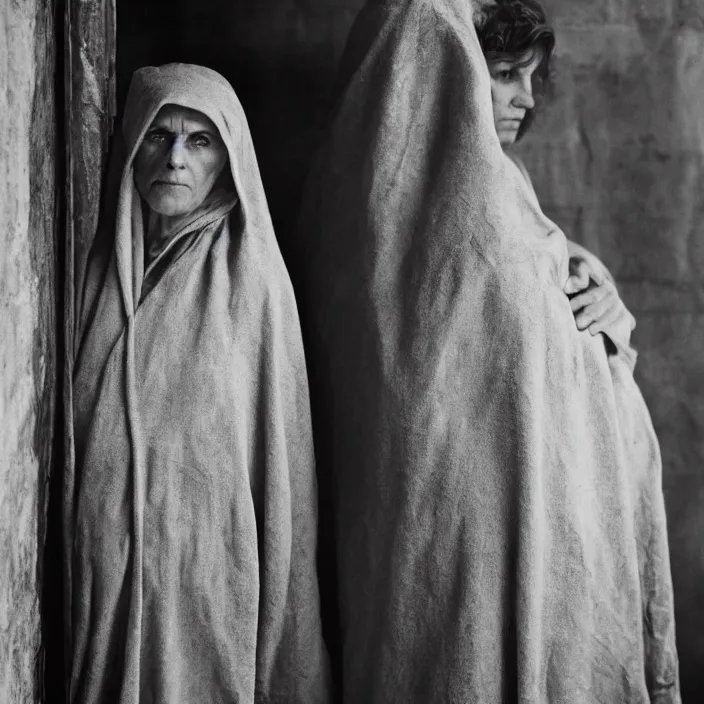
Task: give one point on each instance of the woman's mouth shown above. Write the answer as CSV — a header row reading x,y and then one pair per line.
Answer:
x,y
170,184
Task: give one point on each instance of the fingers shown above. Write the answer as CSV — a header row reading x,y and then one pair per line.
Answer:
x,y
596,275
591,296
601,304
575,284
579,276
609,318
595,313
599,308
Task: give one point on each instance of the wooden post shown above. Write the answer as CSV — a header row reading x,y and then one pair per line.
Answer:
x,y
90,43
89,100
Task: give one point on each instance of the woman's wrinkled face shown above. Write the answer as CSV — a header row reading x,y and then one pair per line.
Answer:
x,y
179,160
512,93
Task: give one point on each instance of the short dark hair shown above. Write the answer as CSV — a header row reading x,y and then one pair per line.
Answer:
x,y
509,29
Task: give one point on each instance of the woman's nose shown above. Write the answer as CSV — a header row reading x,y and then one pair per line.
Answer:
x,y
177,154
524,97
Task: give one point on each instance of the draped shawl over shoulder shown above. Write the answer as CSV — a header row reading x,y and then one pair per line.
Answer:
x,y
191,515
500,526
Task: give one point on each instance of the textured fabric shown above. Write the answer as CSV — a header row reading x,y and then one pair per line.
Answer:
x,y
619,332
191,516
496,482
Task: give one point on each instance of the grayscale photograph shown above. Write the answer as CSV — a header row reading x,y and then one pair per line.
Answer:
x,y
352,352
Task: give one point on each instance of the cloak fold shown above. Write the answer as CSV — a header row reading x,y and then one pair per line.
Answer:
x,y
495,479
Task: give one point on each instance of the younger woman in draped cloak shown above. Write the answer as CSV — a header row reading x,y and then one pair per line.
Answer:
x,y
190,515
493,472
518,45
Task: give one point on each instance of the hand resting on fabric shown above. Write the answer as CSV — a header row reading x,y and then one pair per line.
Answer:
x,y
595,301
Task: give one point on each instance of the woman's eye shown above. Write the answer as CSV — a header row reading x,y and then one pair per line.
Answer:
x,y
201,142
506,75
157,137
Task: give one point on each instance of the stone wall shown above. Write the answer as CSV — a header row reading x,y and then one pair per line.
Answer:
x,y
618,162
27,334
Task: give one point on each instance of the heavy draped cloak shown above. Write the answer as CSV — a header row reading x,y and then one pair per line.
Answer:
x,y
190,518
494,475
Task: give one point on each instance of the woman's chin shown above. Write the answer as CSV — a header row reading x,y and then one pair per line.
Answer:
x,y
169,207
507,138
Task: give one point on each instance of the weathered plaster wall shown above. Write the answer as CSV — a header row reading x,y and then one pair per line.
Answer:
x,y
27,333
617,159
618,163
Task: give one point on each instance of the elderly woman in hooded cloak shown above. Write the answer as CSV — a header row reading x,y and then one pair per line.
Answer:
x,y
190,517
495,479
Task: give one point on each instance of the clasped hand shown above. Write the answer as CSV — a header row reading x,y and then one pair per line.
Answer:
x,y
595,302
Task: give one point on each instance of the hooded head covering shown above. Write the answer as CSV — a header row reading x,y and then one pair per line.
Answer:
x,y
499,519
191,513
122,218
206,91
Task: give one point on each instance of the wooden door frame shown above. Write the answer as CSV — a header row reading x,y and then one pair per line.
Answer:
x,y
89,80
89,52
